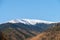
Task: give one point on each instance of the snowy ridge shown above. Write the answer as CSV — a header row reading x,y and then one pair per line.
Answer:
x,y
29,21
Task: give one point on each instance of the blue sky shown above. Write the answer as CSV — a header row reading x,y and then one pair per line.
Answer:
x,y
30,9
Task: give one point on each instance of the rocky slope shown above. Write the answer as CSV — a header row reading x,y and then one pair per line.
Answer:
x,y
52,33
24,29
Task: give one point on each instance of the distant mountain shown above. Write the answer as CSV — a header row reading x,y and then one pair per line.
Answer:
x,y
24,29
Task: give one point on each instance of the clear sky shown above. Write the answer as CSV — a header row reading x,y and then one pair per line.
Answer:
x,y
30,9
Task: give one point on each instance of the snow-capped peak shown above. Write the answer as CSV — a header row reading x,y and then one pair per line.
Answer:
x,y
16,21
29,21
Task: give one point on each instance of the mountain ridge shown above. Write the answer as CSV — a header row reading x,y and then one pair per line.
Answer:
x,y
29,21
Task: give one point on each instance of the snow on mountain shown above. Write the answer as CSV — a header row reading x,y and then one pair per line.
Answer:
x,y
16,21
29,21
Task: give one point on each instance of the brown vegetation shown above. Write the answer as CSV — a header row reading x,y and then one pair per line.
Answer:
x,y
51,34
2,36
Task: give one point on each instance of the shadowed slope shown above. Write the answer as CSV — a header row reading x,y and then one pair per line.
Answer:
x,y
20,31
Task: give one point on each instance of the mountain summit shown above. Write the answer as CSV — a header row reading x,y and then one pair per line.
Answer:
x,y
29,21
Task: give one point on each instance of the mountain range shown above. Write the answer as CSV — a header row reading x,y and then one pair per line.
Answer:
x,y
26,29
